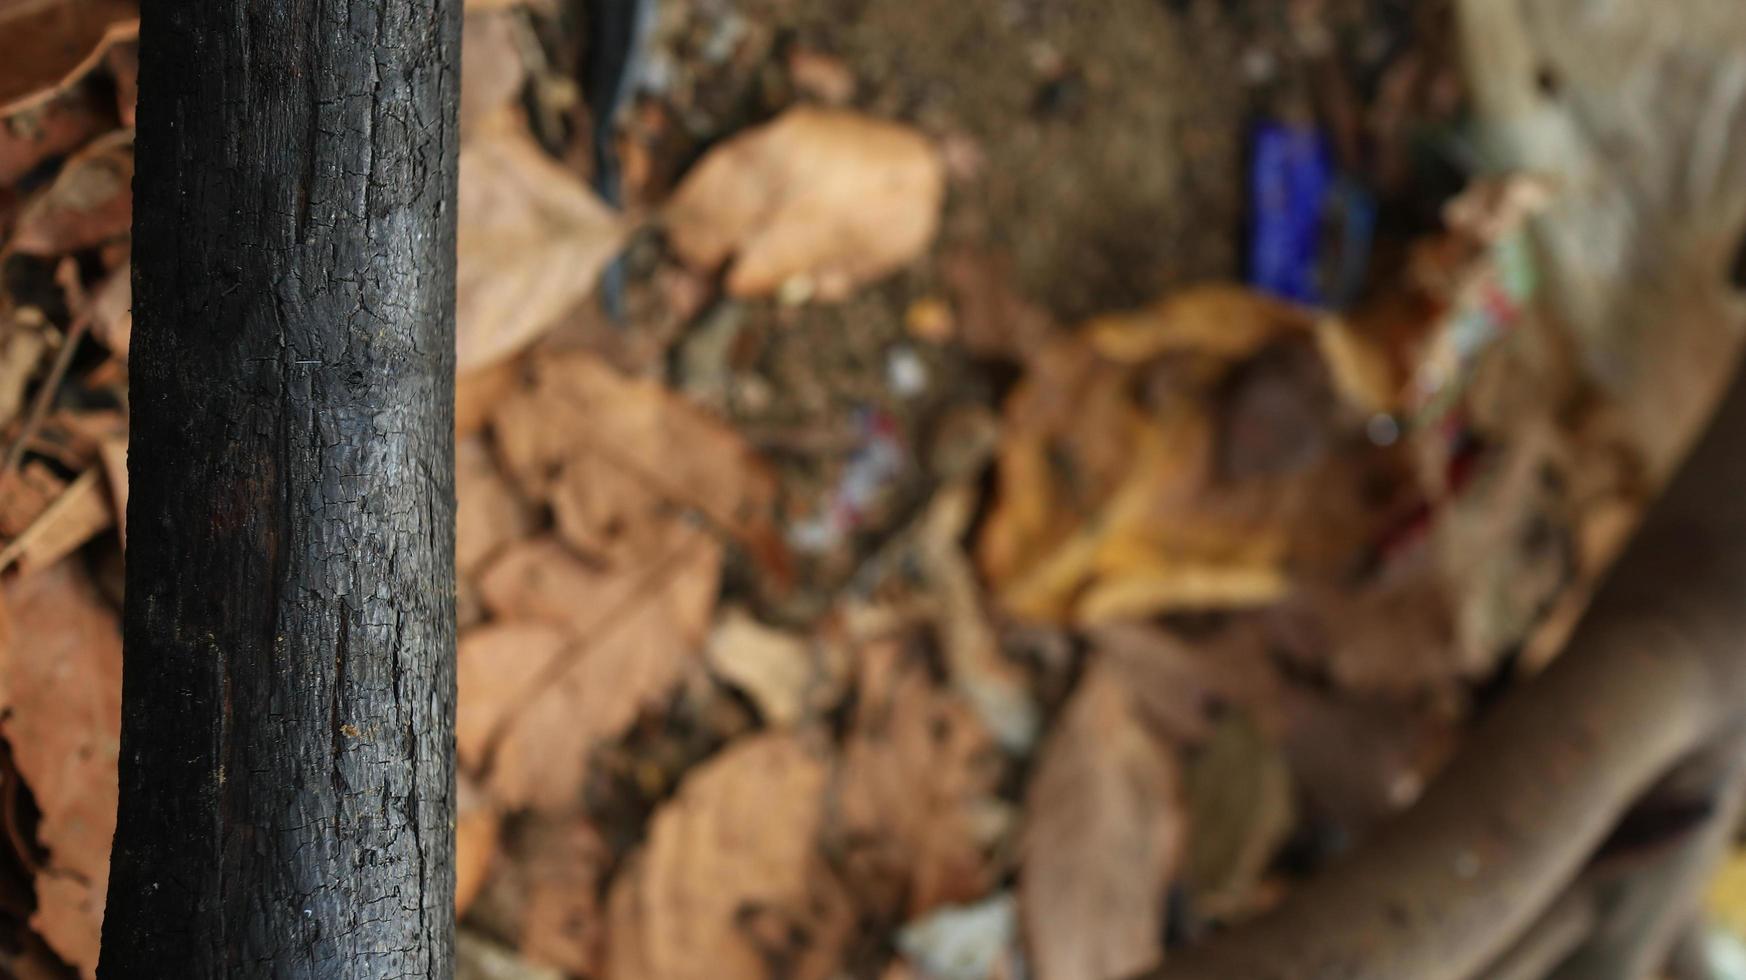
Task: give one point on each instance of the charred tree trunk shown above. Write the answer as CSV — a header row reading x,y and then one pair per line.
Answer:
x,y
287,781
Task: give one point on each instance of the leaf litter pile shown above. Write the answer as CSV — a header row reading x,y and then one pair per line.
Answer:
x,y
941,565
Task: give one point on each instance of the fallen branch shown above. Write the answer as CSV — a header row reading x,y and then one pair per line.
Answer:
x,y
1654,674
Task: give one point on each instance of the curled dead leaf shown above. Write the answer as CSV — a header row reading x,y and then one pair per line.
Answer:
x,y
829,195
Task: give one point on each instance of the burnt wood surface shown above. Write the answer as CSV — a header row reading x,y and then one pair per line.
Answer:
x,y
287,775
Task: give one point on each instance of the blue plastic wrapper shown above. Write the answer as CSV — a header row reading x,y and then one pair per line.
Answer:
x,y
1291,175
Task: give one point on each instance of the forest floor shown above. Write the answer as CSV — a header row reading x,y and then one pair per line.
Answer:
x,y
945,564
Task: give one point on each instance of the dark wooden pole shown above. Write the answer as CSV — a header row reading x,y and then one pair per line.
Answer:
x,y
287,783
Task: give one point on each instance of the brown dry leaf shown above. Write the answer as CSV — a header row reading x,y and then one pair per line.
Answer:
x,y
478,958
1178,684
532,240
476,827
75,517
562,865
90,201
65,40
776,669
478,392
492,70
993,685
821,76
915,819
731,885
111,311
1361,762
27,493
496,665
488,512
576,405
1395,636
59,122
112,453
1239,799
22,346
62,679
832,196
994,319
637,629
1101,840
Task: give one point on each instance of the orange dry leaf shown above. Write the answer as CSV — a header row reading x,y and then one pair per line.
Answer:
x,y
61,679
636,629
915,818
1127,488
531,241
1103,828
730,885
89,202
578,416
832,196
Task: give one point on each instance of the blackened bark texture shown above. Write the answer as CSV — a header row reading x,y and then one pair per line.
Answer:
x,y
287,781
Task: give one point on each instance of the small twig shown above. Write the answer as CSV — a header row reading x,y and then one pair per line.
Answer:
x,y
45,396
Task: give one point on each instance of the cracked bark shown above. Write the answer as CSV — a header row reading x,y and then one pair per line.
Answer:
x,y
287,782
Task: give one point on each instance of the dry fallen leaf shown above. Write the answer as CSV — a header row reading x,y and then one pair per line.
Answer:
x,y
492,70
636,629
496,665
776,669
488,512
89,202
730,885
578,406
61,677
1239,800
66,38
1103,828
914,814
21,349
76,516
531,242
993,685
111,311
476,826
562,864
832,196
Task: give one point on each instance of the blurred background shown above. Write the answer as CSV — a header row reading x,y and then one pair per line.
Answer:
x,y
948,489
